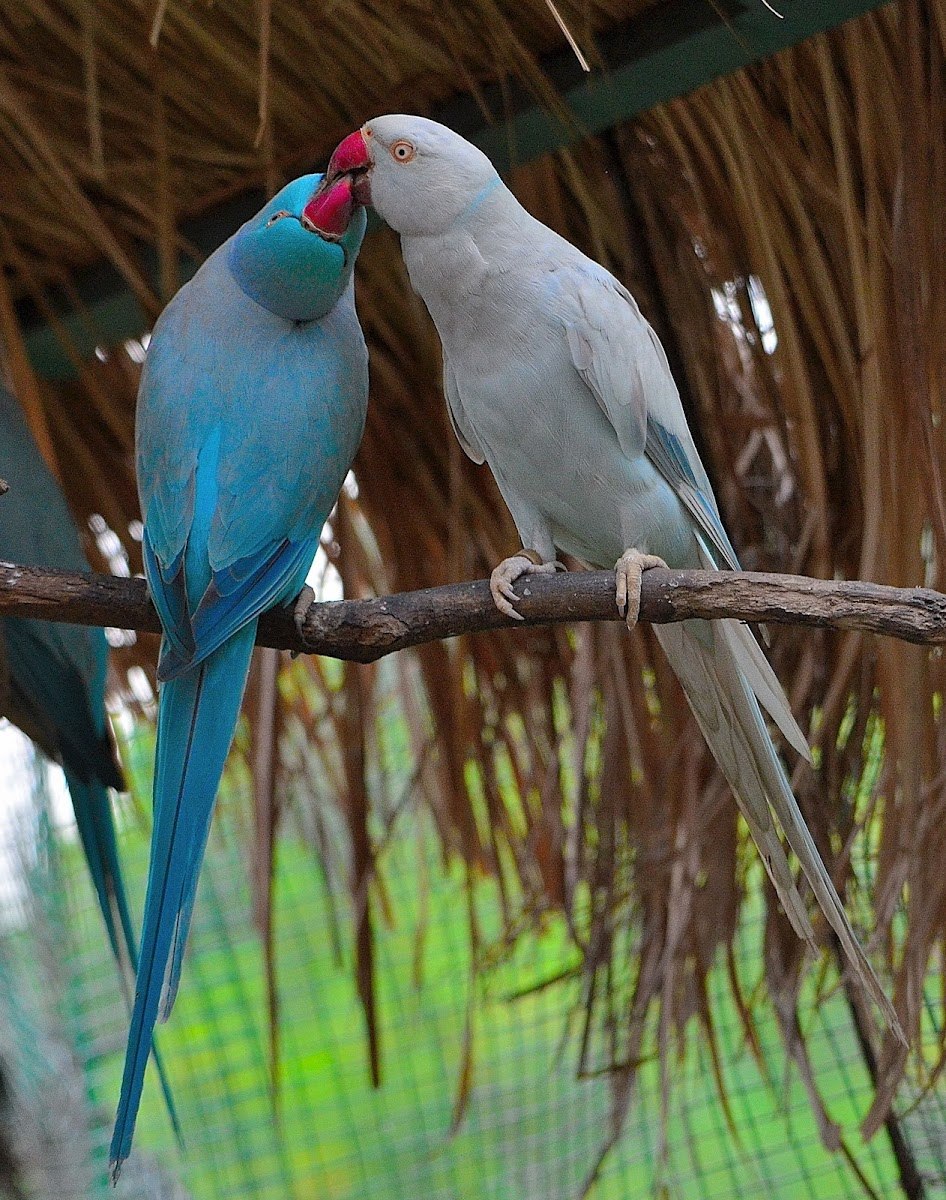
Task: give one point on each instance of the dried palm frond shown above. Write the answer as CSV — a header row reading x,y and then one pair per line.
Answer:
x,y
107,102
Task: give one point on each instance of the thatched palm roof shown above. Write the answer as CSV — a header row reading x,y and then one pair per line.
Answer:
x,y
780,227
123,119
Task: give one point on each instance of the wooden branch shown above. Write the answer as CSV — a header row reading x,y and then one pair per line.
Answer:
x,y
365,630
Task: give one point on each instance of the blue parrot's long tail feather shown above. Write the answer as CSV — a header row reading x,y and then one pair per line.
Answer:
x,y
172,982
197,717
96,826
97,833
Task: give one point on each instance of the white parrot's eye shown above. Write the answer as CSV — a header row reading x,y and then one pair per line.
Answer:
x,y
403,151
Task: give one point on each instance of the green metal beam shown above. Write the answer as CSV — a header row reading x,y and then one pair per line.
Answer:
x,y
682,65
666,52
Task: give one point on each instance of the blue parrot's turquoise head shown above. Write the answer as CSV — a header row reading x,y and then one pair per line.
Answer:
x,y
296,256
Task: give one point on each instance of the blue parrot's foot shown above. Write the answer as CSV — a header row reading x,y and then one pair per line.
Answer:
x,y
526,562
304,602
628,570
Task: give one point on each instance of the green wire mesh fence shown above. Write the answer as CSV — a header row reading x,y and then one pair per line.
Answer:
x,y
479,1096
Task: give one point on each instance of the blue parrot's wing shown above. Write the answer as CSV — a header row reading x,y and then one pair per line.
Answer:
x,y
624,366
226,539
51,687
37,528
222,542
168,592
236,595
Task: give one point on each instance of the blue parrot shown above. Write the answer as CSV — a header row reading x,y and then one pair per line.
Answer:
x,y
52,684
251,408
52,677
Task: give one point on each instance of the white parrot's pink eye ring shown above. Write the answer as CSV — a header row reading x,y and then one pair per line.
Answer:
x,y
403,151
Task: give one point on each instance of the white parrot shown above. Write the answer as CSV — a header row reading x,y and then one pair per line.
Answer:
x,y
554,379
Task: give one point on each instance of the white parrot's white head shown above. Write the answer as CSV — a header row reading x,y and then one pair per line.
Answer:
x,y
419,176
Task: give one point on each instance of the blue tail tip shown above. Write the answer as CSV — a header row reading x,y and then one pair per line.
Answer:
x,y
114,1170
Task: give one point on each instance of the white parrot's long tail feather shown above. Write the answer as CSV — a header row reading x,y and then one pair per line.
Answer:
x,y
722,676
764,683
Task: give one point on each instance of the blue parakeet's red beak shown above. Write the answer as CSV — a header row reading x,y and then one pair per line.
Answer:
x,y
330,209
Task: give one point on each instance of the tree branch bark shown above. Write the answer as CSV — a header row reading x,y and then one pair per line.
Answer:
x,y
365,630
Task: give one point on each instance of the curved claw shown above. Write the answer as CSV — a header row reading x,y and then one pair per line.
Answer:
x,y
628,571
508,571
304,602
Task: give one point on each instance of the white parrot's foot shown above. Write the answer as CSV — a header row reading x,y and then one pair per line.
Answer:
x,y
304,602
628,571
526,562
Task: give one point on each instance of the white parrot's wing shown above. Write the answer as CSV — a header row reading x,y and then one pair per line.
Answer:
x,y
458,418
676,459
624,366
607,338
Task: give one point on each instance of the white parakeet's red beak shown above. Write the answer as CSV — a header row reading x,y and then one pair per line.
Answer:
x,y
352,158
